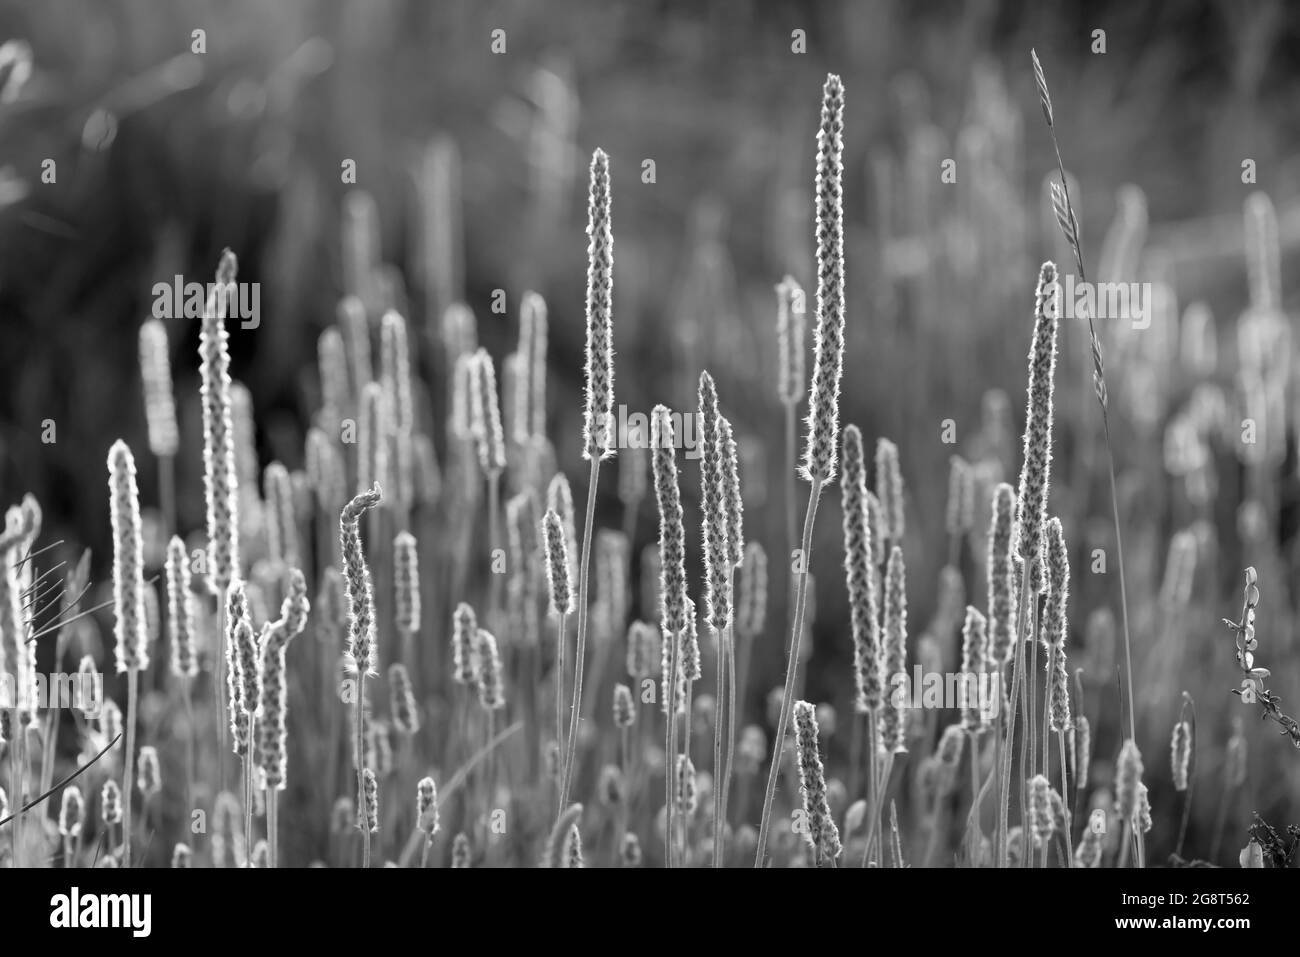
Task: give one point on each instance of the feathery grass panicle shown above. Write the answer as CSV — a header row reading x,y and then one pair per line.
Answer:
x,y
181,621
731,497
629,852
1001,576
828,336
559,575
751,591
713,522
485,415
402,706
1059,689
464,629
72,812
325,471
460,422
791,307
559,497
369,818
960,514
1079,742
1143,810
1042,823
110,803
1036,469
220,484
372,438
598,428
821,832
159,402
553,855
426,807
672,534
685,794
461,852
1088,853
572,852
530,389
362,655
858,562
273,700
395,376
624,707
406,583
149,779
129,630
974,661
611,568
1128,781
889,491
642,650
281,522
895,648
491,689
332,366
1180,753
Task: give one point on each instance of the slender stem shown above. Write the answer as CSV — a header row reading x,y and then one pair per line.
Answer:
x,y
871,770
128,785
1017,695
583,582
494,546
272,825
1047,713
855,751
167,493
718,777
973,850
560,664
791,429
1065,799
249,798
16,780
729,760
878,808
220,693
684,819
791,666
670,743
188,698
361,762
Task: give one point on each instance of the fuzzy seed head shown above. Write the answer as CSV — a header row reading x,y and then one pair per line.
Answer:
x,y
485,416
464,630
1002,576
406,578
858,563
406,716
642,650
1180,753
895,641
598,428
559,576
72,812
491,690
1128,781
159,403
1037,466
624,707
821,832
220,482
828,337
791,308
129,625
362,655
974,661
110,803
717,597
181,620
751,592
426,807
672,535
370,791
889,491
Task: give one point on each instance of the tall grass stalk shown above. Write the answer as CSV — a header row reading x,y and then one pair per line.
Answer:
x,y
1069,223
823,395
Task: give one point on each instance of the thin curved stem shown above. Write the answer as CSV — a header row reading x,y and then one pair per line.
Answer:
x,y
583,583
791,666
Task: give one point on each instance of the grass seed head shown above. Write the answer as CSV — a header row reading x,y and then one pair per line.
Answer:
x,y
598,426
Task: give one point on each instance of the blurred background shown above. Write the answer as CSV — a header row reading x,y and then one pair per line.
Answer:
x,y
471,178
